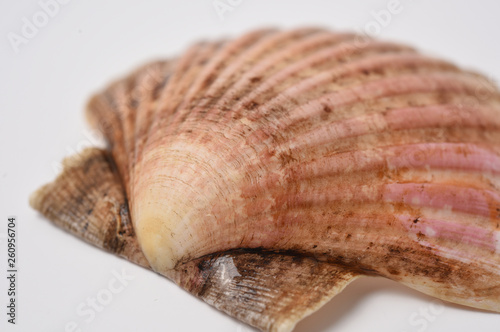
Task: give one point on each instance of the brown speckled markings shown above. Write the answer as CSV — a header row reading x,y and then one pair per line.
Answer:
x,y
307,143
267,290
88,200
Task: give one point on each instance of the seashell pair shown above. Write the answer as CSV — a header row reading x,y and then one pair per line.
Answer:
x,y
264,174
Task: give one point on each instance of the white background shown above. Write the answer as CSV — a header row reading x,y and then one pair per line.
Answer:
x,y
43,90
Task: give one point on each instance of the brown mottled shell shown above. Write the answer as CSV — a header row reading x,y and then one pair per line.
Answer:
x,y
362,156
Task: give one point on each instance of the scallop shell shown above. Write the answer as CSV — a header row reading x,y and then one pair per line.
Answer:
x,y
265,173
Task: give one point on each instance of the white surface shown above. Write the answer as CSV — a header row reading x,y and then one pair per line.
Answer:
x,y
43,89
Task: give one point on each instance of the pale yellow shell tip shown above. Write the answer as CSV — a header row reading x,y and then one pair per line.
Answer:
x,y
34,199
